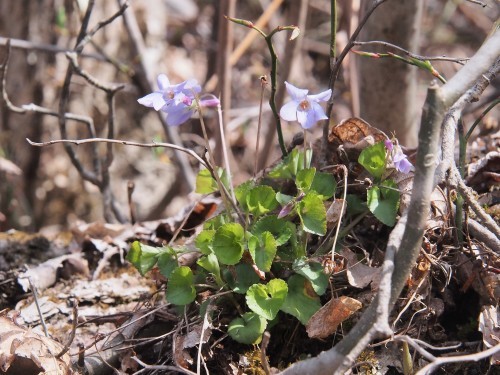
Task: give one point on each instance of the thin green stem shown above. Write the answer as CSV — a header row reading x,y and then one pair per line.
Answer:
x,y
225,196
462,142
333,32
274,71
224,152
263,82
305,149
272,99
489,108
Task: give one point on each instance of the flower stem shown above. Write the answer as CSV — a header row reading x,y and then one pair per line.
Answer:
x,y
274,70
263,82
305,149
228,201
224,152
272,99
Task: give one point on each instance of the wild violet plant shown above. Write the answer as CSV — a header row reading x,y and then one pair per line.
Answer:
x,y
383,197
261,256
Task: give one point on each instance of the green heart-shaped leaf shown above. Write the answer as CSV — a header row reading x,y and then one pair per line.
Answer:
x,y
305,178
266,300
180,287
260,200
281,229
373,159
383,202
204,241
167,261
324,184
248,329
312,214
143,257
211,264
313,271
241,277
228,243
301,301
263,249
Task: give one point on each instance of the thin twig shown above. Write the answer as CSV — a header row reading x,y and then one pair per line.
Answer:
x,y
49,48
88,35
342,208
224,151
160,367
263,356
3,82
263,82
465,191
338,63
73,331
35,296
458,60
72,57
126,143
440,361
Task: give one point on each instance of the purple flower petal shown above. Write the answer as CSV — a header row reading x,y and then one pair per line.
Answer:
x,y
295,93
163,82
154,100
401,162
388,145
289,111
304,108
213,102
303,119
321,97
403,166
177,114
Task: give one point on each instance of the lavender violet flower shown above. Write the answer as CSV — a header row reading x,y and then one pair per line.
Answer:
x,y
304,108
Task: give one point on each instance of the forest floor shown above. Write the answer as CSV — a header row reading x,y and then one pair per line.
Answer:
x,y
70,299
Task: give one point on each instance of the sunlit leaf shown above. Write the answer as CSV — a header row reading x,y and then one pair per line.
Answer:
x,y
211,264
260,200
204,241
305,178
312,214
266,300
263,249
167,261
373,159
180,287
228,243
280,229
313,271
143,257
383,202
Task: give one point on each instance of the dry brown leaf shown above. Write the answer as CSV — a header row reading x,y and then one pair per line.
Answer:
x,y
327,319
23,351
360,275
489,325
354,130
334,211
45,275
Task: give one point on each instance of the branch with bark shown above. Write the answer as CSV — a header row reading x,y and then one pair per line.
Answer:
x,y
406,238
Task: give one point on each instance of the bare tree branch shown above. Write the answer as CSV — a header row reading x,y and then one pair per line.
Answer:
x,y
405,240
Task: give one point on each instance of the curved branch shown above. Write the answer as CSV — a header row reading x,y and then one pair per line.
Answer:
x,y
406,238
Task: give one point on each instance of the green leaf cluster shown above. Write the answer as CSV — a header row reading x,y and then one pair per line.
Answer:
x,y
263,258
383,197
